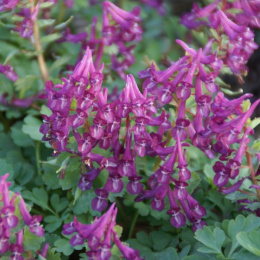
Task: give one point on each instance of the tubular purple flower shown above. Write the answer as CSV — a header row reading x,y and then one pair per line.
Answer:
x,y
114,183
44,251
184,173
222,174
177,218
8,71
193,53
198,224
180,191
33,222
8,209
197,210
235,163
179,130
100,203
97,226
243,118
232,188
231,29
133,15
127,252
17,248
4,242
189,20
134,186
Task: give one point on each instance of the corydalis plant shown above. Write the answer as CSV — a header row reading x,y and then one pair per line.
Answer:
x,y
99,235
124,126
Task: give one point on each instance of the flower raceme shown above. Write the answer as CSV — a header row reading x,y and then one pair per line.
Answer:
x,y
240,44
137,124
99,235
9,221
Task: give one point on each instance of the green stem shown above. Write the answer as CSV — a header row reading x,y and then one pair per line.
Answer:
x,y
62,12
121,209
37,157
133,224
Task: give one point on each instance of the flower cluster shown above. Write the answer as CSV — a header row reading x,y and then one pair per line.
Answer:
x,y
232,34
9,221
99,236
137,125
121,28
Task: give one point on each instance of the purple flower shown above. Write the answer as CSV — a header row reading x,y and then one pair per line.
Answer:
x,y
222,174
86,180
8,71
114,183
99,235
127,252
180,191
100,203
198,224
179,130
33,222
134,186
8,4
177,218
44,251
232,188
17,248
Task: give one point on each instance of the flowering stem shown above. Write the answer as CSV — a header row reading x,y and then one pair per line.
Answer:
x,y
252,172
37,157
247,192
38,48
133,224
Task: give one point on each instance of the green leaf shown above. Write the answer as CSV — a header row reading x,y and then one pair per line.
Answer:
x,y
41,195
194,182
168,254
26,83
160,240
212,240
255,122
72,175
119,230
57,203
54,223
144,239
63,246
195,257
6,168
83,203
50,177
45,110
25,174
19,137
64,24
10,56
45,22
51,38
52,255
250,241
31,242
241,224
142,208
31,127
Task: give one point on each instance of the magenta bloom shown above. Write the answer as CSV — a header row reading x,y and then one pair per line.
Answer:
x,y
33,222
